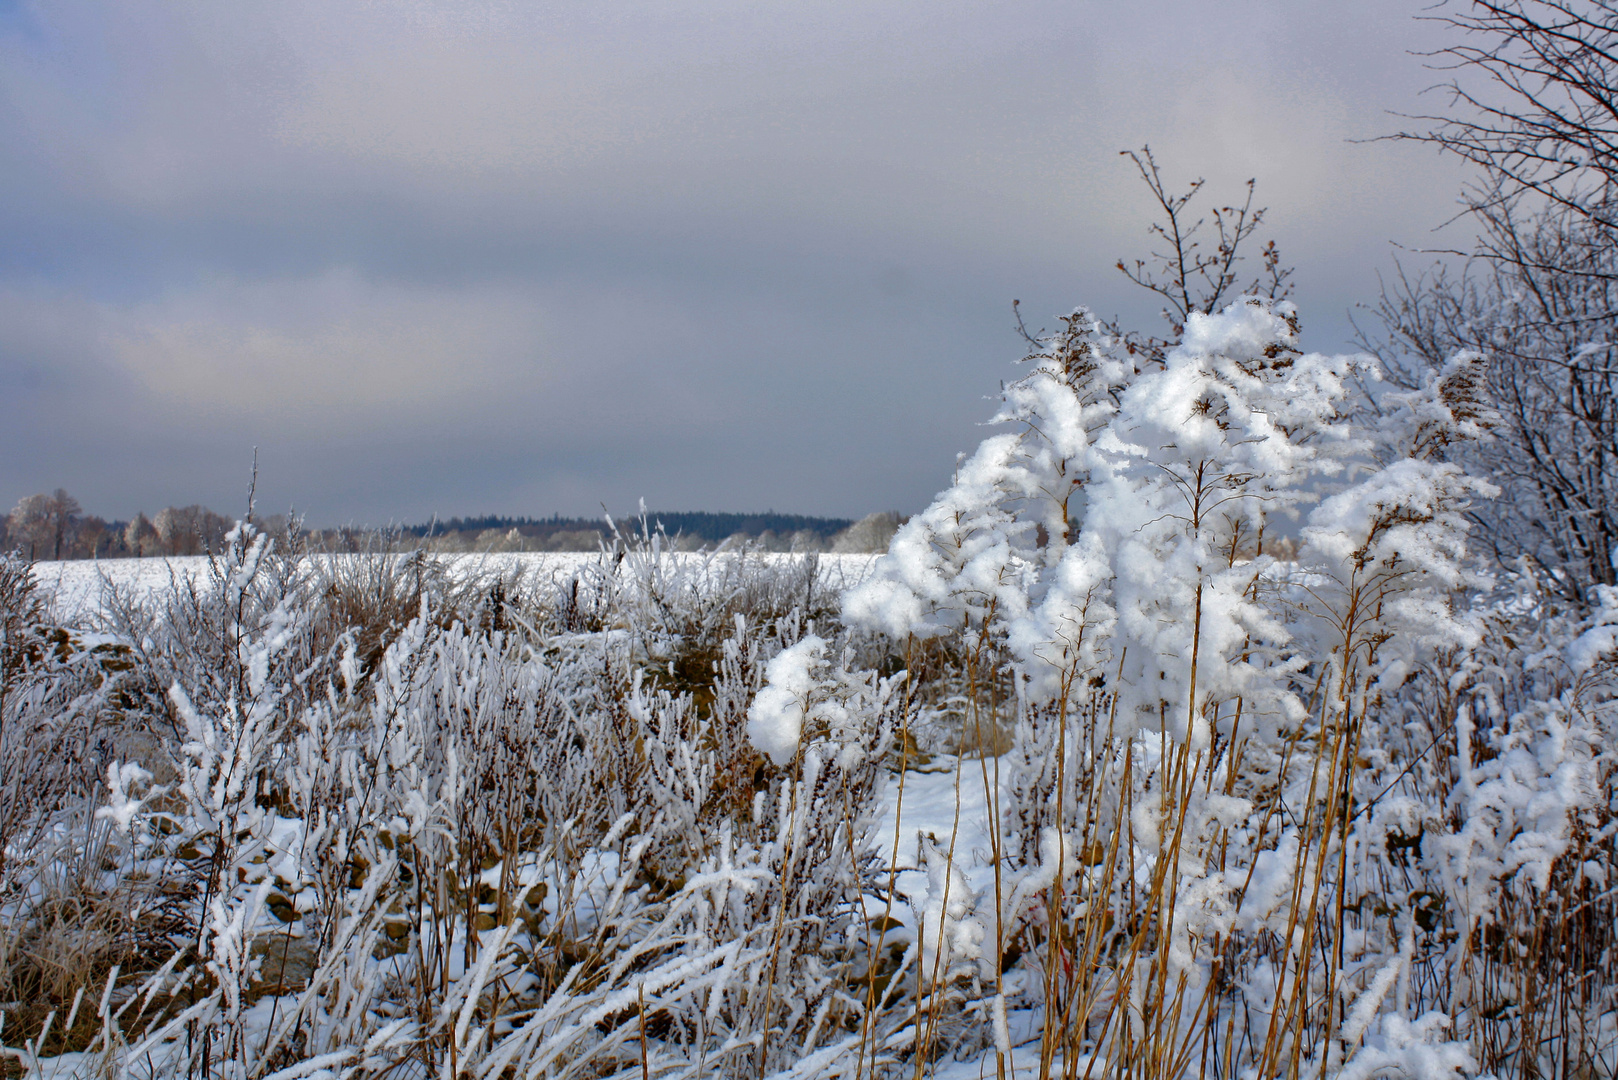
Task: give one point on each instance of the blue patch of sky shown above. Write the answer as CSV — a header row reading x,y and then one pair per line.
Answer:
x,y
17,20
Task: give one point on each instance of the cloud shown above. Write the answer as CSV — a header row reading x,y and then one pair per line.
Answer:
x,y
335,348
528,258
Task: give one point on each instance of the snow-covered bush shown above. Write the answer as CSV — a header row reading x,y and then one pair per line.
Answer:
x,y
1247,824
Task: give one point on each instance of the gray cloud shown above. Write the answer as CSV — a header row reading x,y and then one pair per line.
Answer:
x,y
524,258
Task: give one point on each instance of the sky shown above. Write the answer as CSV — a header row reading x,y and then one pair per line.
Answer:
x,y
531,258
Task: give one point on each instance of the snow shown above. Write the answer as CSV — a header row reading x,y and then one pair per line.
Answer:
x,y
122,804
1601,640
76,588
775,719
948,805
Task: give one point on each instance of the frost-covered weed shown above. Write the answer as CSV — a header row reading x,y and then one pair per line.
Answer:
x,y
520,831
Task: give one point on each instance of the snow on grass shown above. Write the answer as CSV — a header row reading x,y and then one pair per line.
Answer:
x,y
76,587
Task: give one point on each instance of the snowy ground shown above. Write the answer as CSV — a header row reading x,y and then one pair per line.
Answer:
x,y
936,807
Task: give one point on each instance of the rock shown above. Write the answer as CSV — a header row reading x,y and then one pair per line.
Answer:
x,y
285,962
282,908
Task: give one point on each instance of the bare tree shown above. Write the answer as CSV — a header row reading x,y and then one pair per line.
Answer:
x,y
65,512
190,530
29,523
93,538
42,523
1548,333
139,535
1534,106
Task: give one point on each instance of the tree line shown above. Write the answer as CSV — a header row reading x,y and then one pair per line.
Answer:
x,y
55,526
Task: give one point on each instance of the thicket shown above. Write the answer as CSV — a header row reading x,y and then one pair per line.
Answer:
x,y
55,526
709,528
1533,86
1348,814
318,815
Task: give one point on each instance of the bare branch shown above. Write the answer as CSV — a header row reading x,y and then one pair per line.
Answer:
x,y
1188,277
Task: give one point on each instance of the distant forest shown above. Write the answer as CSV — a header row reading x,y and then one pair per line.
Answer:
x,y
55,526
706,526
